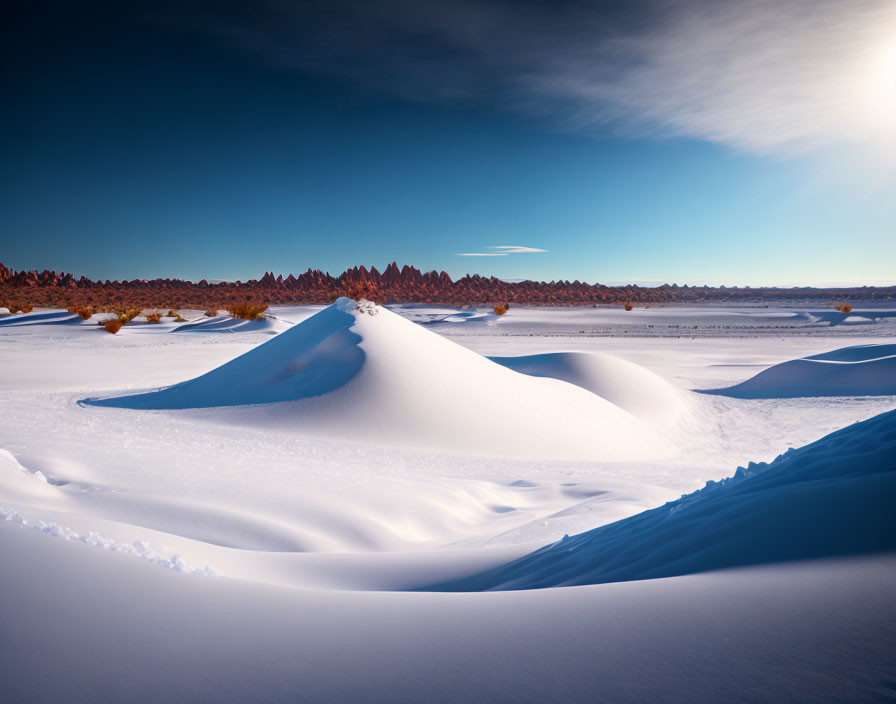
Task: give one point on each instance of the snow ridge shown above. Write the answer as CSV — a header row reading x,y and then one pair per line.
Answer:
x,y
833,497
139,548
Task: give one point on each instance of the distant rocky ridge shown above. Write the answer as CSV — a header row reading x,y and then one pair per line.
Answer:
x,y
393,285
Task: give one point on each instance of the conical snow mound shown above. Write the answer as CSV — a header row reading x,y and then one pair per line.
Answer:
x,y
309,359
363,372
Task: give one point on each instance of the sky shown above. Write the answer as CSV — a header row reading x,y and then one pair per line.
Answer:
x,y
722,142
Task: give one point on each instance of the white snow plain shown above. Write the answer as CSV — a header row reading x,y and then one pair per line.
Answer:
x,y
255,531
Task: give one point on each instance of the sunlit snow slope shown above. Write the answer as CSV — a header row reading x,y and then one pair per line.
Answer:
x,y
833,497
366,373
629,386
863,370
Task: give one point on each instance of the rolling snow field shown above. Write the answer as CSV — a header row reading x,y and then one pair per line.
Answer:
x,y
358,503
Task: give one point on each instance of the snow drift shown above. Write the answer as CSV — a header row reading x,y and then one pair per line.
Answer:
x,y
87,625
50,318
629,386
833,497
365,373
227,323
313,358
863,370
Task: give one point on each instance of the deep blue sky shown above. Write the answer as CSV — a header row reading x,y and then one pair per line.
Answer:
x,y
153,142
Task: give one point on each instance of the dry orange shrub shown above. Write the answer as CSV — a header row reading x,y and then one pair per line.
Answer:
x,y
846,309
154,318
129,314
628,306
113,325
84,312
500,310
247,311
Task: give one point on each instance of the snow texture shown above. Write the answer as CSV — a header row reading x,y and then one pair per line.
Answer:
x,y
834,497
863,370
634,389
322,516
366,368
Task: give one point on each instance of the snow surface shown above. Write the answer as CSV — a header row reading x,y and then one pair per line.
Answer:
x,y
264,552
637,390
654,321
226,323
42,318
370,370
863,370
831,498
87,625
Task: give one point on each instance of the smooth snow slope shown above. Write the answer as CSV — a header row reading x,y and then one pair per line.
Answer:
x,y
100,599
834,497
50,318
369,374
864,370
629,386
88,625
310,359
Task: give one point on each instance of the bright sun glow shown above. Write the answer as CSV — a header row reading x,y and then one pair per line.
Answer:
x,y
880,117
887,78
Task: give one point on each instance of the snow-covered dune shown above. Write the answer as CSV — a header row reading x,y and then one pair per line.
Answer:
x,y
629,386
856,353
47,318
831,498
863,370
369,374
313,358
226,323
88,625
179,547
462,316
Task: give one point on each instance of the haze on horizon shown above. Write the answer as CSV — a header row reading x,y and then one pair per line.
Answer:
x,y
736,143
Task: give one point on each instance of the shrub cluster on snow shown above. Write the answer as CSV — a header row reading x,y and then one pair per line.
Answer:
x,y
247,311
13,308
84,312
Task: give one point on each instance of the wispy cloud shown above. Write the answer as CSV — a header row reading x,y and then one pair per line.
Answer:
x,y
760,76
516,249
763,76
502,251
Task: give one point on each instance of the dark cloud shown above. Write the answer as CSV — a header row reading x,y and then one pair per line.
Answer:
x,y
461,50
758,75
